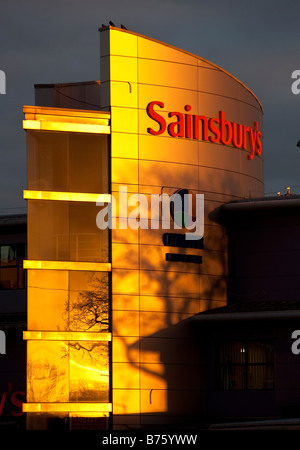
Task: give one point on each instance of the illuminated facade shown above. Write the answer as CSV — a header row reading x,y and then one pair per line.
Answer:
x,y
108,330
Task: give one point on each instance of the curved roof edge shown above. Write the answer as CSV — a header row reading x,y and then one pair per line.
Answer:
x,y
188,53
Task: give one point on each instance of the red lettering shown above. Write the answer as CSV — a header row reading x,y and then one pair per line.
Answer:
x,y
176,129
157,117
246,129
2,402
221,130
214,129
252,134
17,402
226,136
237,135
258,143
204,127
188,122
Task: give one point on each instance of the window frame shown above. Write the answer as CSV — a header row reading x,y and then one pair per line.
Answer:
x,y
243,365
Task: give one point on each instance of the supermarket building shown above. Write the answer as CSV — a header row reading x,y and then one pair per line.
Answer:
x,y
109,310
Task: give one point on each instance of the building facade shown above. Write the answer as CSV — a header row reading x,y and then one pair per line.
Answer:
x,y
108,335
252,343
13,244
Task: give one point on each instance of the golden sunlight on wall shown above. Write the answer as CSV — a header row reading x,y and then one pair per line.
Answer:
x,y
157,374
68,336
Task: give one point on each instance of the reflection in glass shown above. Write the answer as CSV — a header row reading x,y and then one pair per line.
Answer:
x,y
89,306
47,372
88,371
67,371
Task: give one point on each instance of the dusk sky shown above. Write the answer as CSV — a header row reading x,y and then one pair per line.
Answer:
x,y
58,41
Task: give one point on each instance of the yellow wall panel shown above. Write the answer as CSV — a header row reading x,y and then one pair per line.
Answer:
x,y
167,351
125,323
210,104
123,94
160,324
174,99
217,82
169,304
124,145
163,282
125,302
124,120
153,257
128,72
126,375
168,174
129,235
154,401
163,73
125,256
122,43
126,401
157,148
117,187
150,49
125,349
153,376
124,170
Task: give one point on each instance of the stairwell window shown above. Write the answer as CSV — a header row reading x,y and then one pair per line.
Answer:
x,y
244,365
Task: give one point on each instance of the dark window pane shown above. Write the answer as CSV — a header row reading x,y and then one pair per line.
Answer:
x,y
9,278
8,255
232,377
245,365
232,353
259,352
11,266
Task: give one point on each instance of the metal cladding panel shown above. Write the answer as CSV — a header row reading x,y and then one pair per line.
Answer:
x,y
177,122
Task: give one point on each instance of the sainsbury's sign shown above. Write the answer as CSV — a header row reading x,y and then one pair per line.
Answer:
x,y
215,129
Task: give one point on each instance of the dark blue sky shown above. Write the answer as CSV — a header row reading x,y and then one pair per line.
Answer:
x,y
58,41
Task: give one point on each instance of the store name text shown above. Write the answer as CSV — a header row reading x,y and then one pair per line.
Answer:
x,y
216,129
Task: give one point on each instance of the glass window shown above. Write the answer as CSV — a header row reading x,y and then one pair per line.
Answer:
x,y
74,301
65,231
89,371
245,365
89,301
67,162
68,371
12,274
